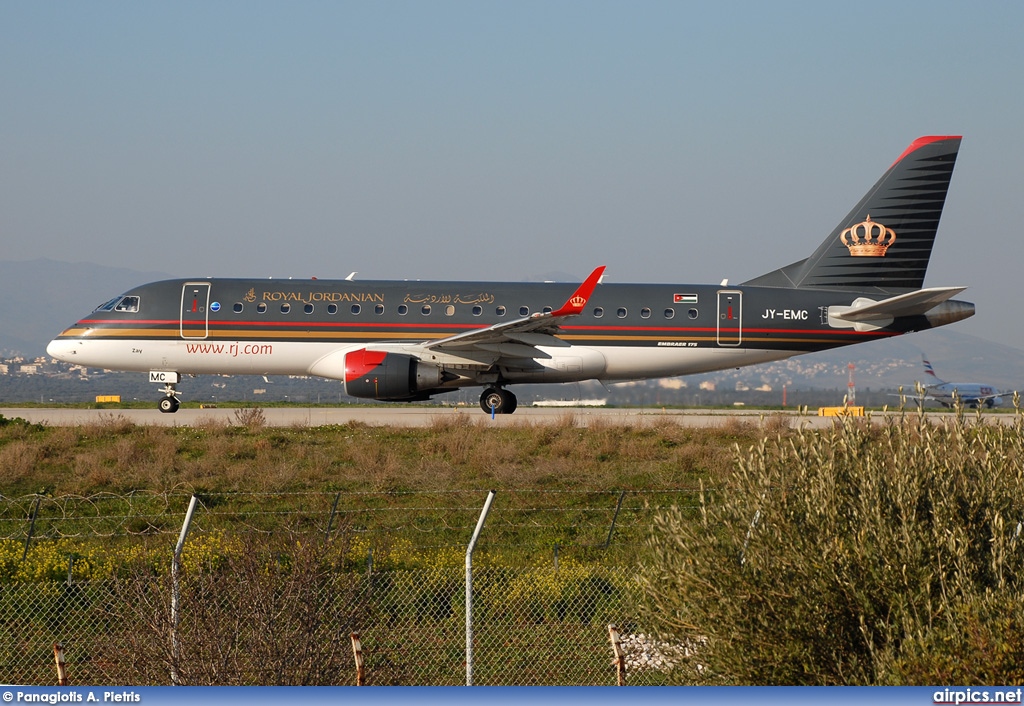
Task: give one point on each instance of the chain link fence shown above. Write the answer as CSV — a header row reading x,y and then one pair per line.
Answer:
x,y
269,595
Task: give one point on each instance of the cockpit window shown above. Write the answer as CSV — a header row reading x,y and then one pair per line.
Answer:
x,y
108,306
126,303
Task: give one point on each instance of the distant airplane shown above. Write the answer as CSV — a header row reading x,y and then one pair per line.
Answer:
x,y
411,340
969,394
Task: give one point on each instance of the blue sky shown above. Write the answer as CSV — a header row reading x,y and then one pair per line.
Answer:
x,y
671,141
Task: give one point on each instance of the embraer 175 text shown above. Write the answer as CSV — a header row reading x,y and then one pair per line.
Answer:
x,y
408,341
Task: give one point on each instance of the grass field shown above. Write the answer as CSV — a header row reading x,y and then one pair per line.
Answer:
x,y
108,500
557,484
875,553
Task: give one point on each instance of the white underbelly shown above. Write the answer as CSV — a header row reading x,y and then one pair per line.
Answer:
x,y
625,363
194,357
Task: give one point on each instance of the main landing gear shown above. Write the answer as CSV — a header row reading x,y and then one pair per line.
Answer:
x,y
498,401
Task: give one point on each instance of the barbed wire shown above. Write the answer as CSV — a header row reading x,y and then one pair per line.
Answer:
x,y
145,513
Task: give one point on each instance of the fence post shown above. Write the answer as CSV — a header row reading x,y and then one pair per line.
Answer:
x,y
176,593
618,506
620,657
58,657
357,651
330,522
469,586
31,527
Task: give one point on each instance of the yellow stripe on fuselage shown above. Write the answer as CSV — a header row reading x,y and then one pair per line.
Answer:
x,y
304,335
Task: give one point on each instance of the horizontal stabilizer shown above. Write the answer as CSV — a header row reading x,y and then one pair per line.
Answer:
x,y
910,304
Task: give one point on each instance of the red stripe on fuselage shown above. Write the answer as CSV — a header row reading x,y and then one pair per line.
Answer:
x,y
227,327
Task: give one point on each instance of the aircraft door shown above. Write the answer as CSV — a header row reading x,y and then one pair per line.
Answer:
x,y
730,317
195,309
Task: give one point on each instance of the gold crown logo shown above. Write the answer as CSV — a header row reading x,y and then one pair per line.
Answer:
x,y
578,301
868,238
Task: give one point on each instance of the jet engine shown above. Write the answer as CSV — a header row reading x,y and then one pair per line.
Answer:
x,y
380,375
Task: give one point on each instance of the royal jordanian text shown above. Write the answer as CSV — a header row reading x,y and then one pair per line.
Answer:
x,y
74,697
310,297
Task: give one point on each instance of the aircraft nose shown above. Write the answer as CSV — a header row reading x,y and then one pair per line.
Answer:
x,y
61,350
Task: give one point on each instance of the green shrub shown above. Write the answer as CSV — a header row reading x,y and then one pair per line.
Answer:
x,y
857,555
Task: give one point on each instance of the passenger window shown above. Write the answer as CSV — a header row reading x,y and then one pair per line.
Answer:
x,y
355,309
621,312
425,310
261,307
500,311
478,310
332,308
403,310
692,313
285,308
239,307
524,311
670,313
645,313
308,308
449,310
598,312
547,310
378,309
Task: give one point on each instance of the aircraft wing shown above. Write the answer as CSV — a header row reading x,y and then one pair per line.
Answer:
x,y
518,338
945,399
916,396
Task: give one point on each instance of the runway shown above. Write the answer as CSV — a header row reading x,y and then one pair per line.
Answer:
x,y
402,416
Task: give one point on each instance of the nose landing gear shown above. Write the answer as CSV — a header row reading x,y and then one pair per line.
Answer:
x,y
498,400
170,402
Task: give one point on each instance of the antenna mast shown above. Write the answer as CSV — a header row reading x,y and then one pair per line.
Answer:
x,y
851,390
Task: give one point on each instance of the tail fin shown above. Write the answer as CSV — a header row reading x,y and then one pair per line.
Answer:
x,y
885,242
929,370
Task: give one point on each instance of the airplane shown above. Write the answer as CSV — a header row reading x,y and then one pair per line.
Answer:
x,y
411,340
969,394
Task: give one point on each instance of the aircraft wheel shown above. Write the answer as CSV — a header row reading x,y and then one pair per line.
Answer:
x,y
492,399
501,401
169,405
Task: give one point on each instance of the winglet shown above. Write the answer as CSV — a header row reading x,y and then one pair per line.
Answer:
x,y
574,304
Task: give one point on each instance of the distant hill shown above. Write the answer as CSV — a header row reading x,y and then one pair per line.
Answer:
x,y
890,363
42,297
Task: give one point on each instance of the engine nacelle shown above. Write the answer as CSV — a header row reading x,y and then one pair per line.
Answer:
x,y
380,375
